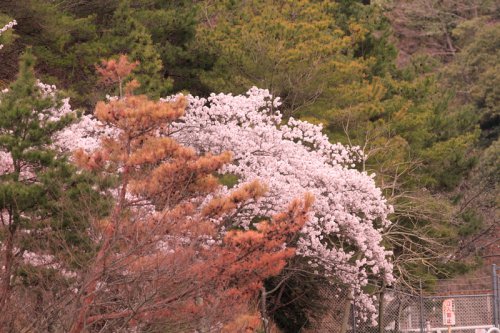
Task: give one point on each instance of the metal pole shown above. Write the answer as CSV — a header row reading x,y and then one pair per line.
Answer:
x,y
421,309
353,318
381,309
495,295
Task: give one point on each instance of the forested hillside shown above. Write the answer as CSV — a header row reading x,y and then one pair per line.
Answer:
x,y
200,165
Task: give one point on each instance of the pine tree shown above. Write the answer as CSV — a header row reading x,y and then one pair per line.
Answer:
x,y
128,36
293,48
66,47
173,26
167,258
42,199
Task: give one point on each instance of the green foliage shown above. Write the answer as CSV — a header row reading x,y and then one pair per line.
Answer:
x,y
23,112
173,25
489,165
71,37
446,162
228,179
128,36
475,73
66,46
334,62
42,193
473,223
372,33
293,48
423,126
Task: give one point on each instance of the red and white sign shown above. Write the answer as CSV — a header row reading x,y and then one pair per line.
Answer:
x,y
449,312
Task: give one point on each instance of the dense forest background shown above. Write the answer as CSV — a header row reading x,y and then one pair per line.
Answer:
x,y
414,83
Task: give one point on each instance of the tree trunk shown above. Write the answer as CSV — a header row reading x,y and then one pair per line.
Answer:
x,y
7,263
263,310
91,286
449,42
99,266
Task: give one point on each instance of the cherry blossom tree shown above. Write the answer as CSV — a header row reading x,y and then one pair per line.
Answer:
x,y
343,239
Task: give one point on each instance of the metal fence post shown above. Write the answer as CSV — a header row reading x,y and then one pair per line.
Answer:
x,y
421,309
353,317
495,295
381,309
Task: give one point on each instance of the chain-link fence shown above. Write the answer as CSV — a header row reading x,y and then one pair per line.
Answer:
x,y
409,313
473,307
338,304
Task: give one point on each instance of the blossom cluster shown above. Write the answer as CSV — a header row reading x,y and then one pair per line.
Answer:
x,y
343,238
46,261
85,134
7,27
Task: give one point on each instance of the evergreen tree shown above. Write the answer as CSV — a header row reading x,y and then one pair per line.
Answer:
x,y
42,199
173,26
293,48
474,75
128,36
66,46
156,256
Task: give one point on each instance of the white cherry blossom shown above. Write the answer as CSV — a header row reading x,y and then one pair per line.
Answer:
x,y
6,27
343,238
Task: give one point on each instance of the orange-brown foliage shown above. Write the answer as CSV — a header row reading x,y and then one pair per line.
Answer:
x,y
246,323
112,70
163,260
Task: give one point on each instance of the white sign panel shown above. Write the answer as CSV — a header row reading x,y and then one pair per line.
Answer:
x,y
448,312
